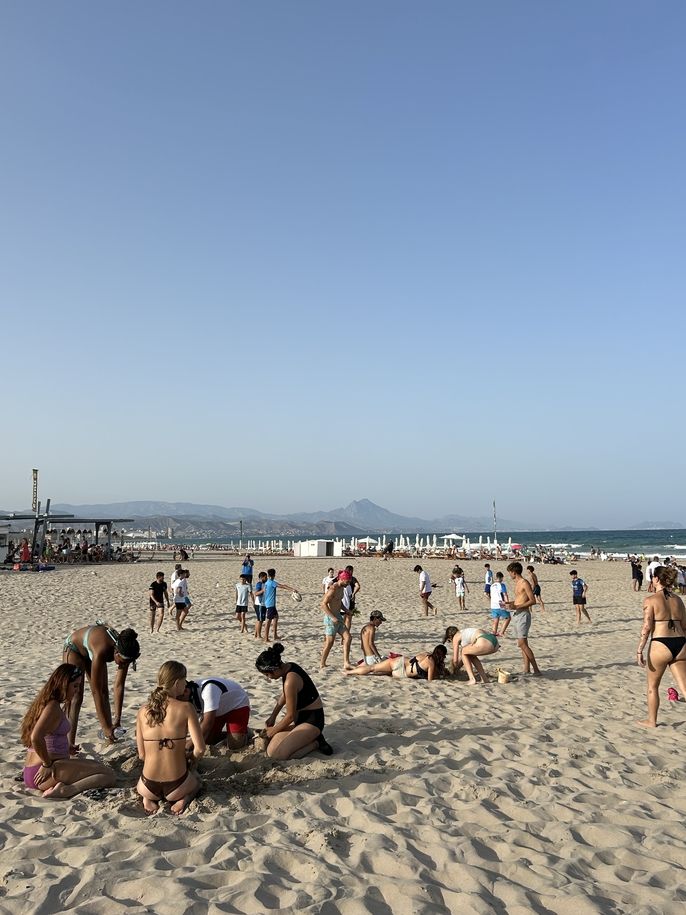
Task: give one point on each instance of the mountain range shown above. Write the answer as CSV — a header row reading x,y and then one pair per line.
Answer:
x,y
359,517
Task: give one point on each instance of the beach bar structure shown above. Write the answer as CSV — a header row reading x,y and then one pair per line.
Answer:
x,y
42,521
308,549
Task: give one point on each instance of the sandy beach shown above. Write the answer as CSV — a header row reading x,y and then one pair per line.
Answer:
x,y
540,795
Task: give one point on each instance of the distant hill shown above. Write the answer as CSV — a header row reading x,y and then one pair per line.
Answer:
x,y
659,526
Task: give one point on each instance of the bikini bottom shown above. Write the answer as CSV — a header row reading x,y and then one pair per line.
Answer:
x,y
162,789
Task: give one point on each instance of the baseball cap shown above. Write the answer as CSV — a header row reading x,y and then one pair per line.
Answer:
x,y
344,575
377,615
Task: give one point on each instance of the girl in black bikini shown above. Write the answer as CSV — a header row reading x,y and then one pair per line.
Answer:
x,y
664,618
300,731
162,727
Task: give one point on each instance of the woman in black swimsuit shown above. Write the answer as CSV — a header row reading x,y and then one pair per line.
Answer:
x,y
664,618
300,731
162,727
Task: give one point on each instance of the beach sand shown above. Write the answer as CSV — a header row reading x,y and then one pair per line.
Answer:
x,y
540,795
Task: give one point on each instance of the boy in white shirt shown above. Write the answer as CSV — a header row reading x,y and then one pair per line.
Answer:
x,y
499,609
243,590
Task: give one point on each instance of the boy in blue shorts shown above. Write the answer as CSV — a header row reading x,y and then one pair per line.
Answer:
x,y
499,610
272,614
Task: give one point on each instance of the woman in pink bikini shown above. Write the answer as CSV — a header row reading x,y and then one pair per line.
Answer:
x,y
45,732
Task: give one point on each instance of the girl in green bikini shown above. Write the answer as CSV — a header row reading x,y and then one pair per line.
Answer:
x,y
92,648
468,646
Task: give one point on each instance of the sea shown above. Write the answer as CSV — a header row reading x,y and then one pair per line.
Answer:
x,y
662,543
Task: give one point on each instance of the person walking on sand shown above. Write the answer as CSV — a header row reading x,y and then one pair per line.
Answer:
x,y
181,598
461,588
258,602
488,581
523,601
579,589
243,591
535,586
664,623
334,618
425,591
650,571
157,595
350,603
499,609
247,568
271,613
328,579
371,653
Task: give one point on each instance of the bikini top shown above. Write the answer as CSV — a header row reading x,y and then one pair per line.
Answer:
x,y
670,622
416,669
164,742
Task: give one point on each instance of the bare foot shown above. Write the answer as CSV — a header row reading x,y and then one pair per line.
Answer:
x,y
58,790
647,724
348,667
178,807
150,807
471,683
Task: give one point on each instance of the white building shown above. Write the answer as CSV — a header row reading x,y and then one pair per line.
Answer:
x,y
317,548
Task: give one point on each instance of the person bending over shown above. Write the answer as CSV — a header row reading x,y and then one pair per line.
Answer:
x,y
468,645
224,709
92,648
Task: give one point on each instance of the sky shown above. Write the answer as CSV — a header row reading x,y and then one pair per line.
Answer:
x,y
287,255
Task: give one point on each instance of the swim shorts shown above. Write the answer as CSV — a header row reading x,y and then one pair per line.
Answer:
x,y
521,623
500,615
332,628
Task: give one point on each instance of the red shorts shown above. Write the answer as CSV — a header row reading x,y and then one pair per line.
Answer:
x,y
235,722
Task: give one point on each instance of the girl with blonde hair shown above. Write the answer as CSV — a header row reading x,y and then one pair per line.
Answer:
x,y
45,731
162,727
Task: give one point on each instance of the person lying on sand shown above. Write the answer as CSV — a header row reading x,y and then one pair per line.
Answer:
x,y
468,645
45,731
301,730
161,729
423,665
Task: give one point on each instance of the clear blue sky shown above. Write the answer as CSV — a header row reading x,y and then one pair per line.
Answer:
x,y
287,255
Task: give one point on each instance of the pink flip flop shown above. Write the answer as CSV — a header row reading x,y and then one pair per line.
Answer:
x,y
672,694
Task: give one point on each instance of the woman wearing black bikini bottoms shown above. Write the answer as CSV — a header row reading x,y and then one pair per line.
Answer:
x,y
664,622
300,731
161,730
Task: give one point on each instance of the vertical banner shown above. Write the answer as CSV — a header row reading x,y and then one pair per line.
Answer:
x,y
34,504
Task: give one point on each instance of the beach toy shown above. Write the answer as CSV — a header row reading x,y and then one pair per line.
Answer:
x,y
504,676
297,596
672,694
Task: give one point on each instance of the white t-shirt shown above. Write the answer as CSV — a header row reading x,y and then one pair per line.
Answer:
x,y
347,597
488,577
327,581
424,583
242,594
498,594
180,589
651,569
214,700
459,585
175,577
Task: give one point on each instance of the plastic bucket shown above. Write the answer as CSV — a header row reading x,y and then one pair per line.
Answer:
x,y
504,676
